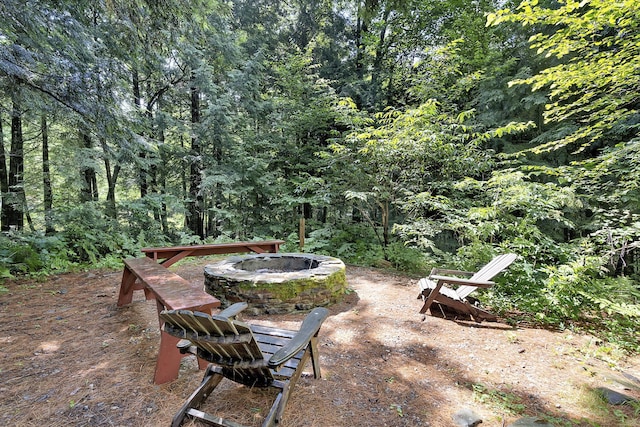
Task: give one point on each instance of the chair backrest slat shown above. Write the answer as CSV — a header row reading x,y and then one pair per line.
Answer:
x,y
488,272
229,343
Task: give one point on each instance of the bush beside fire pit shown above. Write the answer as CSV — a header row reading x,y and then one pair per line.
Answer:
x,y
277,282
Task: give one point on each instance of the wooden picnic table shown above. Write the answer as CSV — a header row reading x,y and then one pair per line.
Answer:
x,y
170,255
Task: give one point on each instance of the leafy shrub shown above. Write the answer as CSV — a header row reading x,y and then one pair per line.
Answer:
x,y
407,259
31,253
354,243
90,236
17,258
576,294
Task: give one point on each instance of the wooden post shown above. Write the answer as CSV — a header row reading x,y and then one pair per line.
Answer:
x,y
301,234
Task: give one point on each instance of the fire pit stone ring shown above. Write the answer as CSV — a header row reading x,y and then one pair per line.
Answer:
x,y
274,283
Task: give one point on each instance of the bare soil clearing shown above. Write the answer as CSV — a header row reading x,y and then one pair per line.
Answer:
x,y
70,357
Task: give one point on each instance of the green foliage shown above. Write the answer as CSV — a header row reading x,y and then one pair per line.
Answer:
x,y
508,209
17,257
89,235
32,254
574,294
498,399
354,244
407,259
142,226
596,46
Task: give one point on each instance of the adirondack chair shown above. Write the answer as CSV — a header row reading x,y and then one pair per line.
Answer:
x,y
252,355
442,300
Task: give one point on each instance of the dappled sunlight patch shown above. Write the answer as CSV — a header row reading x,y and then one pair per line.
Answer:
x,y
93,368
6,339
48,347
341,336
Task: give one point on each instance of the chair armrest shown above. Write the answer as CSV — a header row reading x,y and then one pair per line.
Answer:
x,y
447,272
465,282
233,310
309,328
185,346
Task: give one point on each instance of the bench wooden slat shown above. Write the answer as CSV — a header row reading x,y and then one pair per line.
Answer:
x,y
171,290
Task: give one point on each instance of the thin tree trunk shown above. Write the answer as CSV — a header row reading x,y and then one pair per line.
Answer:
x,y
137,100
25,210
90,185
46,178
162,172
162,183
112,179
195,219
377,62
15,217
359,34
4,184
153,169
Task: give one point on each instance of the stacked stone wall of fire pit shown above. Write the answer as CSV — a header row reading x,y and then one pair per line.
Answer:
x,y
277,282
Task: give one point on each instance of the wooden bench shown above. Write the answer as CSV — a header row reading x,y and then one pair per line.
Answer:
x,y
171,292
171,255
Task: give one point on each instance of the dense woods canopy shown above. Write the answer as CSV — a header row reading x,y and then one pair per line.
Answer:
x,y
406,132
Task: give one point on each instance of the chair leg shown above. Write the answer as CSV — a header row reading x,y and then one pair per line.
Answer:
x,y
279,404
315,361
437,310
275,413
210,381
127,286
431,297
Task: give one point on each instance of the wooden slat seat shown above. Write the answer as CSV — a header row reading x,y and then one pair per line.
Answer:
x,y
170,292
256,356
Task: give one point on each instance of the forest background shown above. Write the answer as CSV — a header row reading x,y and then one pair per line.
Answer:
x,y
406,133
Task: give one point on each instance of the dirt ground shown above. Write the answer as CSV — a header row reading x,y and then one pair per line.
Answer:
x,y
70,357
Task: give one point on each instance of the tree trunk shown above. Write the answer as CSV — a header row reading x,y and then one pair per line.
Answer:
x,y
46,178
162,184
384,212
359,36
195,215
4,184
137,100
112,178
379,57
89,190
15,217
161,173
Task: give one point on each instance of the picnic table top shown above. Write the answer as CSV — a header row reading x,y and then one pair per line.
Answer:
x,y
214,246
173,291
173,254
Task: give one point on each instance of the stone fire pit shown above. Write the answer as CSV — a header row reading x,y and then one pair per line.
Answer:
x,y
277,282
